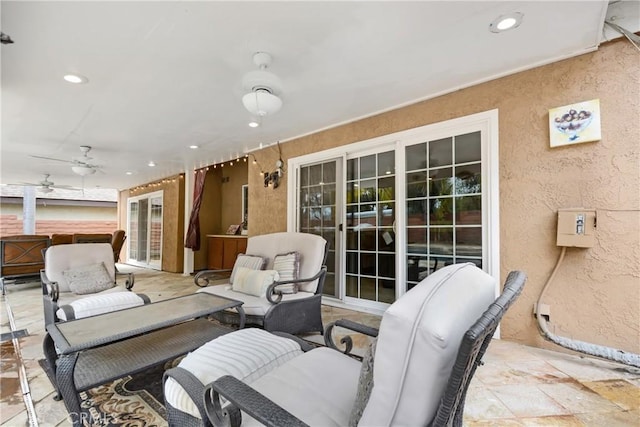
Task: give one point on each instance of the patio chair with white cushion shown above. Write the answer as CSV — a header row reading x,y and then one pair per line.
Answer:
x,y
416,371
79,280
279,280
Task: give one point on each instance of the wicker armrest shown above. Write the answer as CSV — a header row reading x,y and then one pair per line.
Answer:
x,y
243,397
347,341
128,281
274,295
49,288
203,277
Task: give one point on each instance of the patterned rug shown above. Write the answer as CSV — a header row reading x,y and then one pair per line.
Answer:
x,y
132,401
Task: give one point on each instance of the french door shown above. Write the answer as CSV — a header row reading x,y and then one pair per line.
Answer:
x,y
397,208
144,242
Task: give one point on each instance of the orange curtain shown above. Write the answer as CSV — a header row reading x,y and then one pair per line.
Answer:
x,y
193,233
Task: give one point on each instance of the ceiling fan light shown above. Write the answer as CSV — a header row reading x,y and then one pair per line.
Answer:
x,y
261,103
83,170
46,189
261,78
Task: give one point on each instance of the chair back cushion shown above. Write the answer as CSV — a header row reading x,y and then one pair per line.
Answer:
x,y
310,247
60,258
418,341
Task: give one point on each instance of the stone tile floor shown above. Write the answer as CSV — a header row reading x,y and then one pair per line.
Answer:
x,y
517,385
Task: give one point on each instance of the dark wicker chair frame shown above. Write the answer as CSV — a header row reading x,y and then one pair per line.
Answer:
x,y
449,412
294,317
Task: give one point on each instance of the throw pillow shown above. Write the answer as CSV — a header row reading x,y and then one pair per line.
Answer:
x,y
88,279
254,282
252,262
288,266
365,385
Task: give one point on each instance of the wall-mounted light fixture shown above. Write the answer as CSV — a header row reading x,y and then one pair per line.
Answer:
x,y
273,178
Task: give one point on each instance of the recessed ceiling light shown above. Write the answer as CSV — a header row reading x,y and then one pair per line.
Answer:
x,y
151,164
75,78
506,22
194,147
129,173
254,124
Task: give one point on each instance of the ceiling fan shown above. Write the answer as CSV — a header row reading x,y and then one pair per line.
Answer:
x,y
46,186
80,165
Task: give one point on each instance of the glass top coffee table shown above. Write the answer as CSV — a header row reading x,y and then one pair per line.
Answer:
x,y
85,353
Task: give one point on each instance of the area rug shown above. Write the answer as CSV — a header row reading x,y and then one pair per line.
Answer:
x,y
132,401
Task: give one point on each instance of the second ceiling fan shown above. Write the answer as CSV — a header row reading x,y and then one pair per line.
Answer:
x,y
80,165
46,186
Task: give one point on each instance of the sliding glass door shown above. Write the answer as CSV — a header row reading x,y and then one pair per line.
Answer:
x,y
397,208
144,242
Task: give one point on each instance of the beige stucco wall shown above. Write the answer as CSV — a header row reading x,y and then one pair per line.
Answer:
x,y
596,294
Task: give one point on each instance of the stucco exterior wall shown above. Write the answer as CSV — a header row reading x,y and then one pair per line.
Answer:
x,y
596,294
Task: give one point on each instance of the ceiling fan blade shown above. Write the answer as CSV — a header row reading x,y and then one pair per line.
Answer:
x,y
66,187
51,158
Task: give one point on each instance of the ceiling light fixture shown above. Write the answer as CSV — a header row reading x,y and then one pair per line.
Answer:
x,y
151,164
83,170
75,78
506,22
254,123
264,87
194,147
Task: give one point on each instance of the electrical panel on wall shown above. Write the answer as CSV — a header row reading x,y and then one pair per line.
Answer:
x,y
576,227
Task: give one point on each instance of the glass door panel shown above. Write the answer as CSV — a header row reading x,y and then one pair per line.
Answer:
x,y
155,231
132,241
444,204
370,220
317,213
143,231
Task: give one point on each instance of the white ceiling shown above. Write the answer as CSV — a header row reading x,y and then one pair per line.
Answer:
x,y
165,75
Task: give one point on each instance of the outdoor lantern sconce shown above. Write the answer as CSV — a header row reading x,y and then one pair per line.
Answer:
x,y
273,178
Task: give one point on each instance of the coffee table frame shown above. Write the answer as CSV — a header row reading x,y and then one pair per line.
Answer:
x,y
85,353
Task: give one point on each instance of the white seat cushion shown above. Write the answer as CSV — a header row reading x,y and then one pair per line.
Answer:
x,y
246,354
104,302
256,306
418,341
319,387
